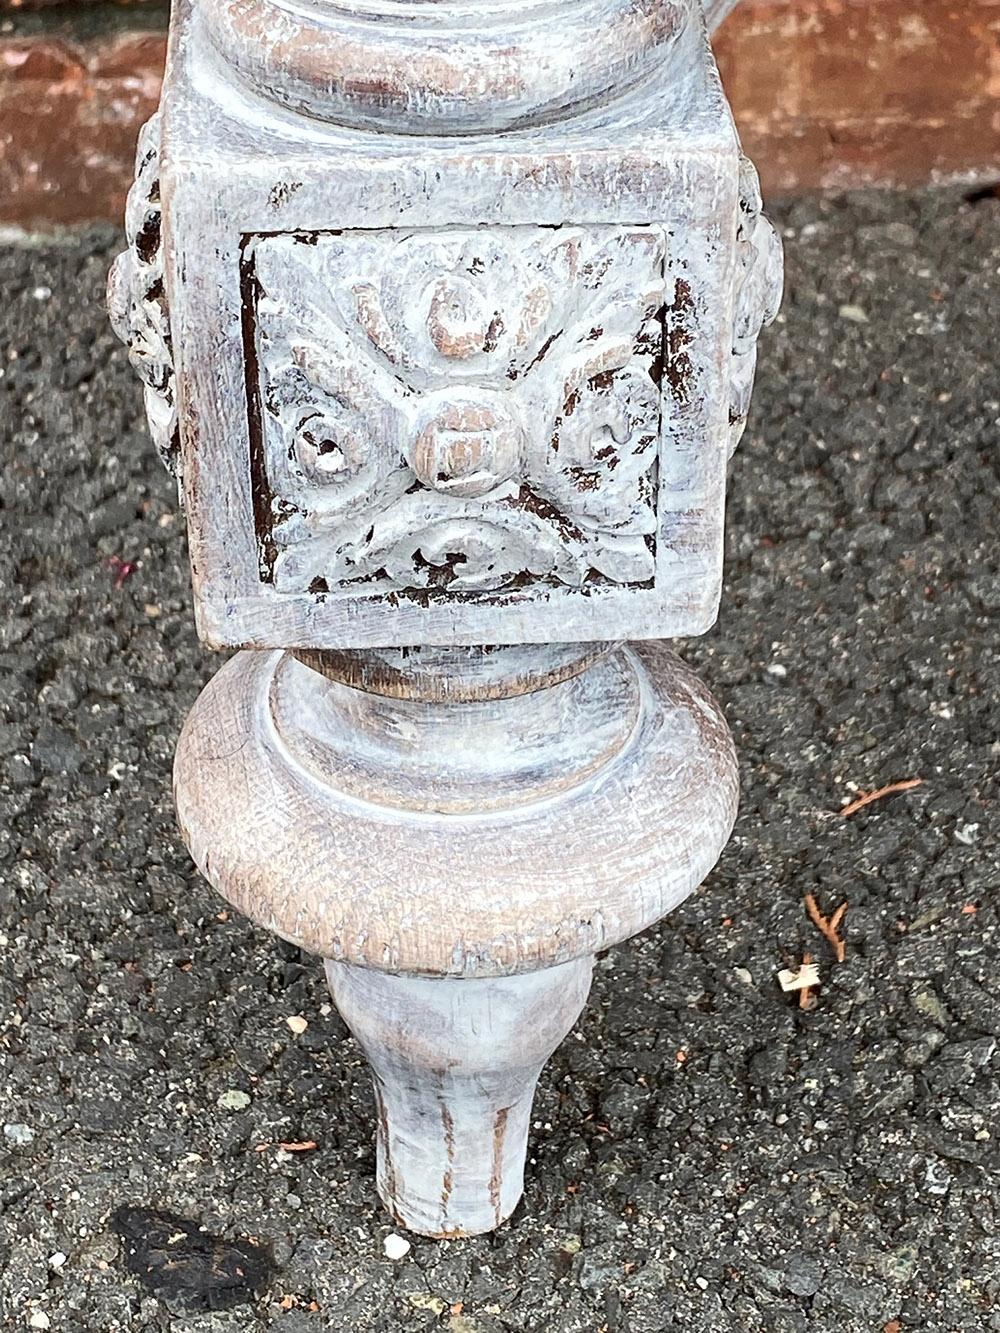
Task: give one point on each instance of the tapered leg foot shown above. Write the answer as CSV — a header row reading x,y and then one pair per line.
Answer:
x,y
455,1063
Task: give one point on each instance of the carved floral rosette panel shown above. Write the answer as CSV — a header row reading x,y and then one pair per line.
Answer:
x,y
455,411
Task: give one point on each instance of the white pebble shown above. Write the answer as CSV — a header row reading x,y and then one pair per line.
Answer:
x,y
20,1135
297,1023
57,1260
234,1100
39,1319
396,1247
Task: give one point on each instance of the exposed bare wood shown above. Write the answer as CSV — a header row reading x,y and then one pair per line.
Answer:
x,y
472,839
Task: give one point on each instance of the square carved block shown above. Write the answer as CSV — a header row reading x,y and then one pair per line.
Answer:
x,y
452,391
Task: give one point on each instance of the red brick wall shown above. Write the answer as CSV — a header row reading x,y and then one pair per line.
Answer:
x,y
827,93
834,93
69,116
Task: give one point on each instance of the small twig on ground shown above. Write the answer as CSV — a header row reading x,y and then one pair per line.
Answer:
x,y
807,995
828,928
871,796
307,1146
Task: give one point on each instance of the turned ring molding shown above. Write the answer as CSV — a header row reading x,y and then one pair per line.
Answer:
x,y
438,67
405,889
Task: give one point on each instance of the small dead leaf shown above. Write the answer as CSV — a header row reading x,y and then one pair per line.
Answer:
x,y
178,1261
123,569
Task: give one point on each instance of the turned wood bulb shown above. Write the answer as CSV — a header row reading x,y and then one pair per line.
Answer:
x,y
438,66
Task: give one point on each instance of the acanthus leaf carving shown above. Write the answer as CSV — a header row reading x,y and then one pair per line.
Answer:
x,y
756,296
137,301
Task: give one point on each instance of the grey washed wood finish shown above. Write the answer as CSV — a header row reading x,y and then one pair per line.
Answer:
x,y
137,298
466,1175
447,316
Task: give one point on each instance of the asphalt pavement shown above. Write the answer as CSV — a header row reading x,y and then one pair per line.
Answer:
x,y
707,1153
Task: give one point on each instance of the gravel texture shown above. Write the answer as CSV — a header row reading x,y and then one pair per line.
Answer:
x,y
707,1155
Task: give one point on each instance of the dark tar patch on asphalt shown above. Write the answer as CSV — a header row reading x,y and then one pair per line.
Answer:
x,y
187,1267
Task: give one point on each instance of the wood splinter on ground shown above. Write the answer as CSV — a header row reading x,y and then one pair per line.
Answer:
x,y
805,979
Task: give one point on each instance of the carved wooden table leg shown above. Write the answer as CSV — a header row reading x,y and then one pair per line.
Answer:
x,y
448,319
